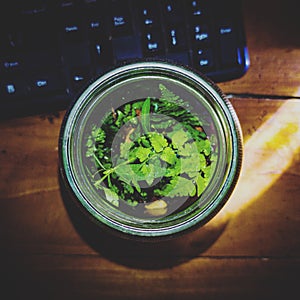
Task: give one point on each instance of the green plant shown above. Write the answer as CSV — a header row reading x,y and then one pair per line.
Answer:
x,y
162,152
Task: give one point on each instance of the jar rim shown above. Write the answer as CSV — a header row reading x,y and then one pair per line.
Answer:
x,y
216,101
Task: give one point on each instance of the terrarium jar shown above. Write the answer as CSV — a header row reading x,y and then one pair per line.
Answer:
x,y
150,150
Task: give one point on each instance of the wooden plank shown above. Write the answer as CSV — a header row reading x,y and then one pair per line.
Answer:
x,y
273,42
91,277
28,155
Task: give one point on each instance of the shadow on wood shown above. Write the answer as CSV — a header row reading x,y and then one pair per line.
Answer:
x,y
141,254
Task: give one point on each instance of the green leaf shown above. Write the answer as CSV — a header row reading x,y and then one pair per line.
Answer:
x,y
168,155
98,132
174,170
142,153
201,185
127,109
207,171
136,184
89,152
137,171
202,161
89,142
188,149
137,105
190,166
127,188
124,172
149,173
178,187
179,138
132,202
125,149
158,142
111,196
129,174
145,117
167,95
143,141
159,169
204,146
120,117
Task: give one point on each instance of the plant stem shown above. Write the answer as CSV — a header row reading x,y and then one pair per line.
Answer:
x,y
98,161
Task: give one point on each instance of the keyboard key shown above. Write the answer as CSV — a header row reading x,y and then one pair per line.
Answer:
x,y
180,57
227,29
176,39
121,18
76,55
196,9
96,20
101,52
148,14
40,38
93,4
37,28
98,33
153,43
228,45
73,32
200,34
66,4
10,88
14,88
11,41
127,48
11,64
37,59
71,22
173,11
79,77
203,58
96,27
33,7
46,83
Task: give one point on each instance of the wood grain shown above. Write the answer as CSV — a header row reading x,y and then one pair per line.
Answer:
x,y
91,277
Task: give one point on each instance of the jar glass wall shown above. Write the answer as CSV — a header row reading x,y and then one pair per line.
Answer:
x,y
150,149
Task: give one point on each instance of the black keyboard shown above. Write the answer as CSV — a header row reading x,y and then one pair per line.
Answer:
x,y
50,50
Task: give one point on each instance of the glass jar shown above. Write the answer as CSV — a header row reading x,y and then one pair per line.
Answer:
x,y
150,150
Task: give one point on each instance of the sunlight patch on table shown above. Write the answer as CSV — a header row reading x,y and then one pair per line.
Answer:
x,y
267,155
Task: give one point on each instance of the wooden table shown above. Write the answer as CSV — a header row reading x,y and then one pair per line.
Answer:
x,y
251,250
